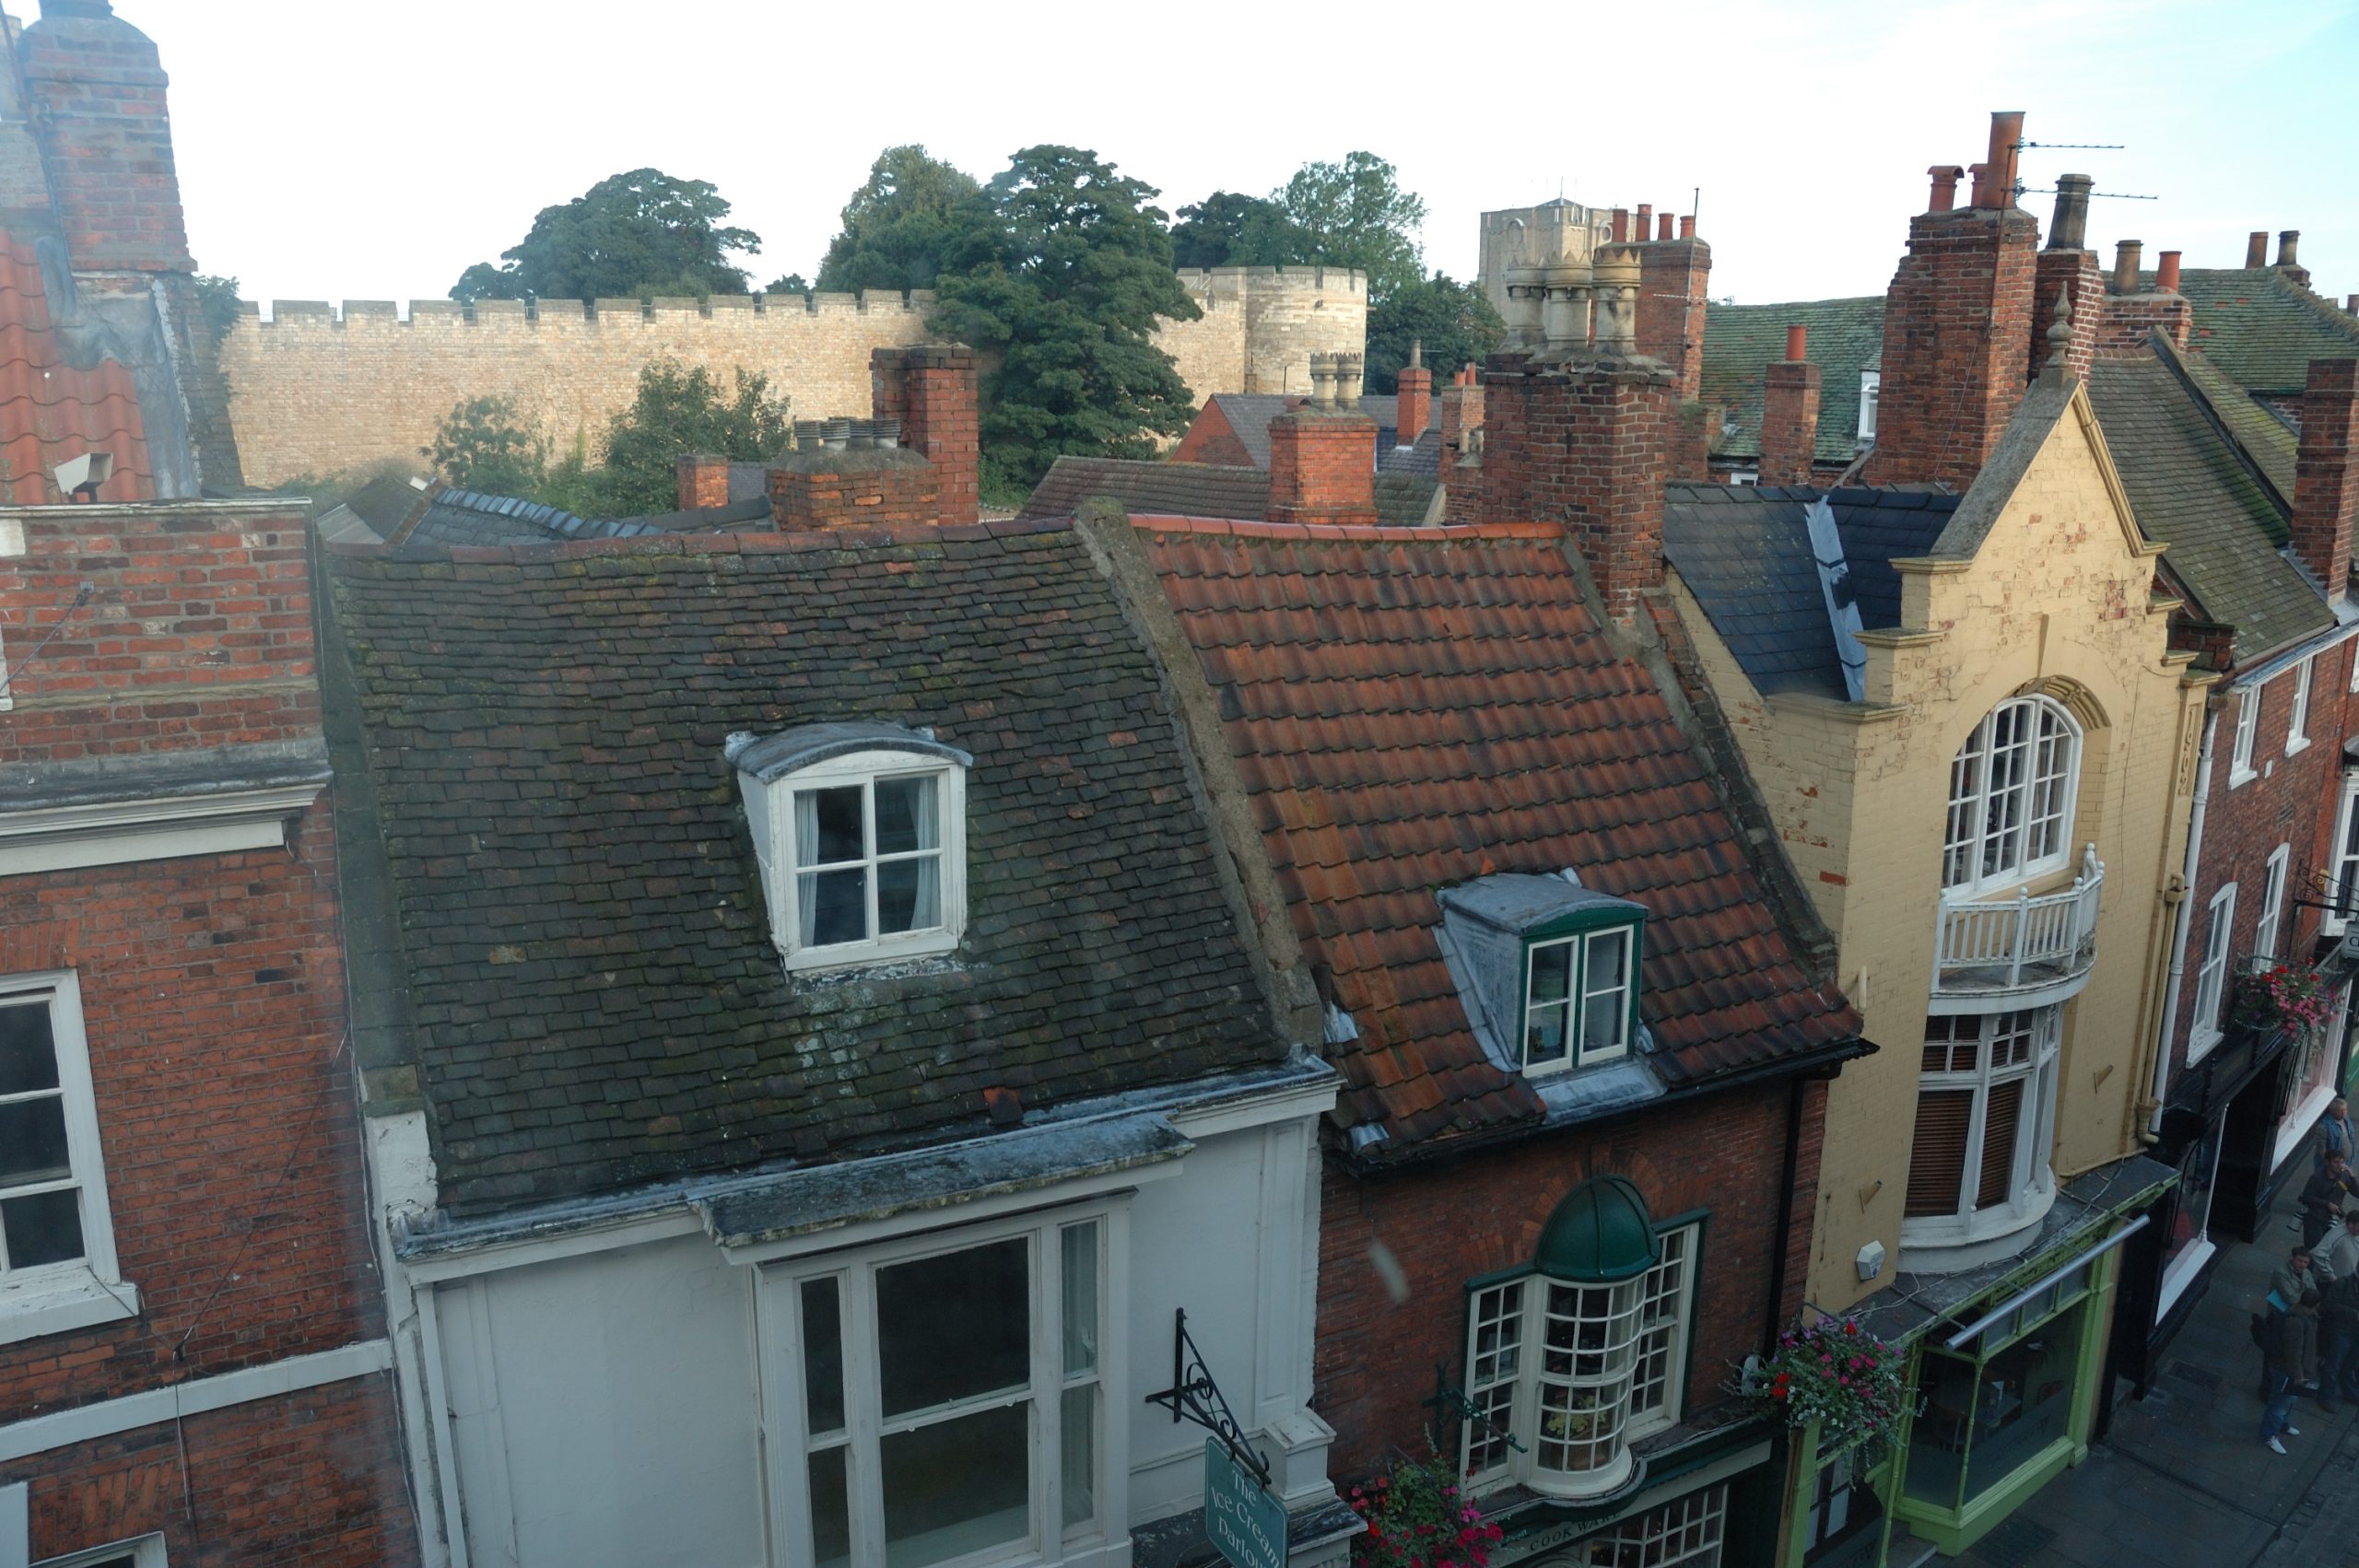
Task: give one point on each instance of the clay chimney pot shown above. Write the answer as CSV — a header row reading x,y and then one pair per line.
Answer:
x,y
2257,248
2124,265
1797,341
2166,272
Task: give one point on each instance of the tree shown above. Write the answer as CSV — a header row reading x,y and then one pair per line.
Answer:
x,y
1455,320
1352,213
679,410
1067,311
916,218
628,235
1212,232
793,283
484,445
216,302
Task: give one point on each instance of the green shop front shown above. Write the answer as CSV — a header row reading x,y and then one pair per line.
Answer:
x,y
2007,1373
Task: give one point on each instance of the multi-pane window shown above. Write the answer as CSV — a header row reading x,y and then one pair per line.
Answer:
x,y
952,1402
1573,1369
1686,1532
2247,727
2011,795
2211,973
2342,895
2297,727
2273,903
1577,993
54,1223
1985,1112
1870,385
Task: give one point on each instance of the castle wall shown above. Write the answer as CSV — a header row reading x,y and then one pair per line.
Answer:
x,y
312,392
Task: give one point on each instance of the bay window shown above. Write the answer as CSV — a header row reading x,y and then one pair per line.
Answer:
x,y
950,1398
2011,795
1985,1119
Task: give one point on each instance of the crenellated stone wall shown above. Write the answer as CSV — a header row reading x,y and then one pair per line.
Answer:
x,y
314,393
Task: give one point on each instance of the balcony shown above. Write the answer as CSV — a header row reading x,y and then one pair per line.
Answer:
x,y
2011,948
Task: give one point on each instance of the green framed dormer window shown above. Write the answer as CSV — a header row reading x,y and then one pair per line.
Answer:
x,y
1549,969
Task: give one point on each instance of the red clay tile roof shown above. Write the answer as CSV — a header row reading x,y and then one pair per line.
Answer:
x,y
1412,708
50,411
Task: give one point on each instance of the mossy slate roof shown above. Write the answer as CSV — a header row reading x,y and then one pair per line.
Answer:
x,y
2262,328
1203,490
597,1002
1412,709
1742,340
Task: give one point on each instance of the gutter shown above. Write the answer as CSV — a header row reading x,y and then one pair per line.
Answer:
x,y
2160,1085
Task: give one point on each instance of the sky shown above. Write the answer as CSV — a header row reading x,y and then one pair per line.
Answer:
x,y
359,150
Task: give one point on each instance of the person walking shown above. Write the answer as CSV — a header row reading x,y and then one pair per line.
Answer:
x,y
2337,1257
2336,1135
2288,1345
2330,1190
2339,1330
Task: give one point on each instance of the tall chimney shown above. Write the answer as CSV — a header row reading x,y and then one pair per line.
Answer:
x,y
2326,477
703,481
1618,227
929,387
1585,443
2166,272
1322,461
1957,339
2257,248
1323,380
1998,186
1687,225
1662,221
1646,220
1462,446
1790,391
2287,240
2069,230
1416,398
2126,256
1674,281
95,91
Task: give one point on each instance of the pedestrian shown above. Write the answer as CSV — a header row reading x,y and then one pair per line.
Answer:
x,y
2330,1190
2288,1346
2337,1257
2335,1132
2338,1335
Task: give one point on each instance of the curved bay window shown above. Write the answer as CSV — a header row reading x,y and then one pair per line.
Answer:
x,y
1580,1350
2010,796
1986,1110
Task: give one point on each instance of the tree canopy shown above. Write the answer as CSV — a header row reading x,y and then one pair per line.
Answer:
x,y
1215,231
679,410
916,218
1455,320
1352,213
630,236
1065,309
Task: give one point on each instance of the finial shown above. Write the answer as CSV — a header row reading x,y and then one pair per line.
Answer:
x,y
2060,338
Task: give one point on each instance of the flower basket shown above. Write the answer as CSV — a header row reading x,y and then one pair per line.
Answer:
x,y
1839,1375
2281,996
1418,1517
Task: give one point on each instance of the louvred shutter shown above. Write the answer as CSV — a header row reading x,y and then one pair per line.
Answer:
x,y
1937,1163
1998,1178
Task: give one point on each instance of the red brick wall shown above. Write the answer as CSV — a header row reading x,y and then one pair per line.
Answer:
x,y
704,481
2129,319
1211,438
801,501
2056,272
1588,446
1322,467
1462,423
95,87
932,389
1674,276
1448,1222
2326,472
1956,319
311,1478
1789,422
1413,403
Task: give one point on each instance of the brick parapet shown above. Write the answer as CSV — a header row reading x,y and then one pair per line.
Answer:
x,y
2129,320
862,499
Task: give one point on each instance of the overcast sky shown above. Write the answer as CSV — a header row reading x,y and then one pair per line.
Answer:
x,y
351,149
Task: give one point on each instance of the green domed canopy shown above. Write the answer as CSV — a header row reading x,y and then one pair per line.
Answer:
x,y
1600,1232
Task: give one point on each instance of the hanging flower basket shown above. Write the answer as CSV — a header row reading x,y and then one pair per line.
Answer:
x,y
2282,995
1419,1517
1839,1375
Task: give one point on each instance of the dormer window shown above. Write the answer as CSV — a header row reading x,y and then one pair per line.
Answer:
x,y
1551,966
861,833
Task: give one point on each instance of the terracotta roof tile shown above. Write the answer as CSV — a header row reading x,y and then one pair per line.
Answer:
x,y
1412,709
52,410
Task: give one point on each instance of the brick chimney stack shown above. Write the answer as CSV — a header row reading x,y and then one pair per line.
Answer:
x,y
1957,329
94,89
2326,474
1462,446
704,481
1789,413
1416,398
2067,266
1322,455
1585,440
930,388
1674,276
2256,250
2129,317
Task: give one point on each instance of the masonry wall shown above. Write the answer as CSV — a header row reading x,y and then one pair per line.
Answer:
x,y
312,392
1449,1222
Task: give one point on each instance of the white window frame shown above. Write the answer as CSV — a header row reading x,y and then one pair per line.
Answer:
x,y
785,1398
145,1551
2212,974
1744,477
2272,903
2341,891
53,1298
1686,1532
775,842
2297,725
1870,392
2043,800
2354,664
1666,1319
2033,1179
2240,768
1580,992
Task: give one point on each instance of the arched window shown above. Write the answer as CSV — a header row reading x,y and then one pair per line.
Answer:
x,y
2011,795
1582,1349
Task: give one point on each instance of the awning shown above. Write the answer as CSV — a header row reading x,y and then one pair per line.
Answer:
x,y
1974,1331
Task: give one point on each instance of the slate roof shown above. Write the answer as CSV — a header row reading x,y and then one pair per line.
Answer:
x,y
470,517
1742,340
1249,415
1203,490
1744,551
1422,456
2262,328
2194,486
538,734
1412,708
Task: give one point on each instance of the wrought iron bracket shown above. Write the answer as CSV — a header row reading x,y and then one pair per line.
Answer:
x,y
1451,1399
1193,1396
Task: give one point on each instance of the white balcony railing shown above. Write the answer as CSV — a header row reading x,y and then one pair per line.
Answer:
x,y
2024,941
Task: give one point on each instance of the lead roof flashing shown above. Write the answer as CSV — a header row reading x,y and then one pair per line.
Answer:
x,y
768,758
192,772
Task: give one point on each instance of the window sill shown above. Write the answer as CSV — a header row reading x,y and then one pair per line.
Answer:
x,y
74,1299
2241,776
871,954
2297,746
2200,1042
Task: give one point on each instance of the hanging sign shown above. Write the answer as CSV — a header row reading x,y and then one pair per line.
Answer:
x,y
1245,1524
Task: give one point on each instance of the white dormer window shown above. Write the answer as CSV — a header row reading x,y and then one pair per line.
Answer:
x,y
1576,999
861,830
1549,970
1869,382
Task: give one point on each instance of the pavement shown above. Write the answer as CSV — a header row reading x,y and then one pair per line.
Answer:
x,y
2182,1478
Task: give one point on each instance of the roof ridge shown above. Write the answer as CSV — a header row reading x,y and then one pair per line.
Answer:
x,y
751,541
1407,533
